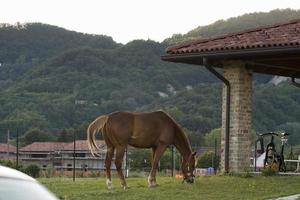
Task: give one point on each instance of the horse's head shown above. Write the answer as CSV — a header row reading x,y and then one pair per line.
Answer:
x,y
188,176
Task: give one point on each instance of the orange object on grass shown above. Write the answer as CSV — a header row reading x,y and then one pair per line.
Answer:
x,y
178,176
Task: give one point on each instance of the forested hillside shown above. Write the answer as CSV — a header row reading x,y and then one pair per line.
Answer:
x,y
54,81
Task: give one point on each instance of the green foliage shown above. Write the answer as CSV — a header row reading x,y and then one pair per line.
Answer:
x,y
8,163
166,160
208,159
36,135
212,137
197,109
25,119
36,41
140,159
51,91
33,170
65,136
269,172
275,106
12,164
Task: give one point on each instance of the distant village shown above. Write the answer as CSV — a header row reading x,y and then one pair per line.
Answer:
x,y
56,155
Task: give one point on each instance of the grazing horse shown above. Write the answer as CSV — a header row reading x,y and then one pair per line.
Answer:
x,y
156,130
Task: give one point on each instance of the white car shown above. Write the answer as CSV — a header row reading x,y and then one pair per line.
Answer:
x,y
15,185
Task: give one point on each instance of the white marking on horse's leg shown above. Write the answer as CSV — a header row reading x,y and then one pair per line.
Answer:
x,y
151,181
109,183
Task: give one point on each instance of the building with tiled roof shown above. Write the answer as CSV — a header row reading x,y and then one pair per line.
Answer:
x,y
44,146
59,155
81,145
7,151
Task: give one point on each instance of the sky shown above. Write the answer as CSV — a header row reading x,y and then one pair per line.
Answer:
x,y
126,20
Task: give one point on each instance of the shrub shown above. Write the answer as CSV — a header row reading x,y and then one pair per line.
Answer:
x,y
269,172
8,163
33,170
11,164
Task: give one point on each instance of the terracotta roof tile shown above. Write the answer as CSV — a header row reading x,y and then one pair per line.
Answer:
x,y
56,146
4,148
82,145
285,34
44,146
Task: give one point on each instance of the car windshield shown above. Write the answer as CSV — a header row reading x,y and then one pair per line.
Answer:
x,y
14,189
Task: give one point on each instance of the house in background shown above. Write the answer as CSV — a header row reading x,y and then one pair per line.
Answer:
x,y
59,155
42,154
84,159
7,151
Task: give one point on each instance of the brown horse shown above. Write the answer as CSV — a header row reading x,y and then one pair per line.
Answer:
x,y
156,130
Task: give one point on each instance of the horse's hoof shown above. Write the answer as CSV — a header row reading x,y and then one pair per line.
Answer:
x,y
109,184
152,182
109,187
152,185
125,187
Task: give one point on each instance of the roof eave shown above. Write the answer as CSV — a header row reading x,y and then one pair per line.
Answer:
x,y
197,58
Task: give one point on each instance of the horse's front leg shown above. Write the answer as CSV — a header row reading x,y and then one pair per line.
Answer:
x,y
118,162
108,159
157,155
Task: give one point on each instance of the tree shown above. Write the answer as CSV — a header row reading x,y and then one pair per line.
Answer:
x,y
36,135
208,159
212,136
65,136
166,160
140,159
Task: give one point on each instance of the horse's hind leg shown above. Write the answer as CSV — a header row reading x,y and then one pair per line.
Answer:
x,y
108,159
118,162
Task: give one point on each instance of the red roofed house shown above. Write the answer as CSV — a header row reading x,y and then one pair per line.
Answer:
x,y
7,151
59,155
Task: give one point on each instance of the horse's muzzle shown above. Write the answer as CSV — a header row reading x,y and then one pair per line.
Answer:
x,y
189,179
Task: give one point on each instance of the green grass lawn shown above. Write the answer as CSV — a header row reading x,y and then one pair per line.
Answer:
x,y
215,187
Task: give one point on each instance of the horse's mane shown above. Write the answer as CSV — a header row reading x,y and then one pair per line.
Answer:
x,y
179,132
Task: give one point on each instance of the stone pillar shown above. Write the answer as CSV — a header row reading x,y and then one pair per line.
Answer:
x,y
240,116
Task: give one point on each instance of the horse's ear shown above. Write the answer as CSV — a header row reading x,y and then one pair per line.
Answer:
x,y
195,154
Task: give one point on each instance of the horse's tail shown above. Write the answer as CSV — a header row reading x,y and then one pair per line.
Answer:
x,y
94,127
